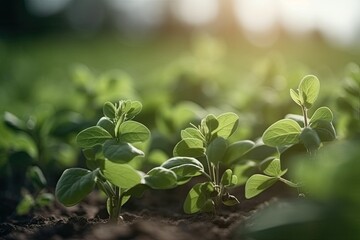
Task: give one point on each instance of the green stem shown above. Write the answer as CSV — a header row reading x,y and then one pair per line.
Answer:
x,y
304,112
211,174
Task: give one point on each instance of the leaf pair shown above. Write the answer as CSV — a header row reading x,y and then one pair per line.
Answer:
x,y
307,92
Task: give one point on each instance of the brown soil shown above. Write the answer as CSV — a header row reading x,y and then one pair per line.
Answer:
x,y
157,215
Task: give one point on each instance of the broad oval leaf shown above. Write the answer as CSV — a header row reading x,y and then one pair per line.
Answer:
x,y
74,185
258,183
131,131
309,88
272,167
121,175
191,133
228,123
189,147
107,124
36,177
120,152
134,110
283,132
325,130
211,122
226,177
161,178
184,167
310,139
237,149
197,197
109,110
92,136
322,113
215,151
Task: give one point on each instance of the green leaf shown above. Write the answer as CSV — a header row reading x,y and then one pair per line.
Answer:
x,y
191,133
236,150
134,110
229,200
309,88
226,178
36,177
120,152
244,171
109,110
121,175
211,122
136,191
107,124
131,131
310,139
295,97
215,151
322,113
92,136
44,199
189,147
161,178
283,132
14,123
184,168
258,183
272,167
325,130
196,200
74,185
228,123
25,205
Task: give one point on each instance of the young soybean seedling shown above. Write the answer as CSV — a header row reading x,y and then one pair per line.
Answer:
x,y
208,143
108,147
293,130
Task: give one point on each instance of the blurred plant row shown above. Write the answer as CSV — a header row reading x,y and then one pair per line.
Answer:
x,y
196,88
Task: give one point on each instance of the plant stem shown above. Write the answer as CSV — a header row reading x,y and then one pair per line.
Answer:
x,y
304,112
211,174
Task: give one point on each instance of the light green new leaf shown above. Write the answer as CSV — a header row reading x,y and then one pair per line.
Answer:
x,y
109,110
120,152
184,167
14,122
191,133
74,185
272,167
236,150
325,130
258,183
131,131
283,132
107,124
295,97
228,179
309,88
121,175
196,200
161,178
134,110
228,123
189,147
215,151
322,113
36,177
92,136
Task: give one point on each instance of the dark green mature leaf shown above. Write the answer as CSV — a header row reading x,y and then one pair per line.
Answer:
x,y
258,183
283,132
310,139
197,198
309,88
322,113
161,178
184,167
120,152
92,136
215,151
74,185
121,175
236,150
211,122
325,130
37,177
229,200
107,124
109,110
191,133
189,147
228,123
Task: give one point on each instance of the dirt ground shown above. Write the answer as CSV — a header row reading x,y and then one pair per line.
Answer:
x,y
157,215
